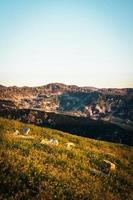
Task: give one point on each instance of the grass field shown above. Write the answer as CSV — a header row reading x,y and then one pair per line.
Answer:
x,y
31,170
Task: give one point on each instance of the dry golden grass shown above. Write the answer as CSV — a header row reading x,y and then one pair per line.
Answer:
x,y
31,170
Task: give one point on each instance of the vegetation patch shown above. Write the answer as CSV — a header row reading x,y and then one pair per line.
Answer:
x,y
31,170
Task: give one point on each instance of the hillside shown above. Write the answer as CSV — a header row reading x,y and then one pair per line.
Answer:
x,y
82,126
115,105
103,114
31,167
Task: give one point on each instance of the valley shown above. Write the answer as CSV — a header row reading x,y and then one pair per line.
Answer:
x,y
103,114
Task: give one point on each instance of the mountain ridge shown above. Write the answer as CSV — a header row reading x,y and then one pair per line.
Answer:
x,y
51,97
114,106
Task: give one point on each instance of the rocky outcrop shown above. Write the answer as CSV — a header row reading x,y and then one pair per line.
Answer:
x,y
113,105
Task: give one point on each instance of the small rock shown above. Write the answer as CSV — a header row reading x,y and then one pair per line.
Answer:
x,y
25,131
111,166
70,144
50,141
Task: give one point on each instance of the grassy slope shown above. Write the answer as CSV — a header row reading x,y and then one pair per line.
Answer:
x,y
30,170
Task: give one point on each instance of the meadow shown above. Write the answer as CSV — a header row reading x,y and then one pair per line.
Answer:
x,y
31,170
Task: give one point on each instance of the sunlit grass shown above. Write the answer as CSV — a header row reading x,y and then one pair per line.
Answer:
x,y
31,170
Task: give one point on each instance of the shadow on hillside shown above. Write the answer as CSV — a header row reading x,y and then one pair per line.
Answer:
x,y
81,126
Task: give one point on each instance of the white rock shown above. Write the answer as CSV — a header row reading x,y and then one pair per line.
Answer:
x,y
112,166
70,144
50,141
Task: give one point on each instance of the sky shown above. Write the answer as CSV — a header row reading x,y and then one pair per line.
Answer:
x,y
80,42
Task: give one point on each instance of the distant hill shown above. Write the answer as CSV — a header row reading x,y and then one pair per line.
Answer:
x,y
31,167
105,106
81,101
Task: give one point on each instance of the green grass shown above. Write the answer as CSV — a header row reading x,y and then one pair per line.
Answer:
x,y
30,170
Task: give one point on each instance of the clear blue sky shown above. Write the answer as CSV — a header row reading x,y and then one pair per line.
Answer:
x,y
82,42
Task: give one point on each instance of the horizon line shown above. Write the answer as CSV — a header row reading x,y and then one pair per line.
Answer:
x,y
67,84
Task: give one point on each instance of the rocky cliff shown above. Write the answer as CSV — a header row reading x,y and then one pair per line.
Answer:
x,y
106,104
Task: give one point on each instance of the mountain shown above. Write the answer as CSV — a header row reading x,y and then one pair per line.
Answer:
x,y
33,167
112,108
82,101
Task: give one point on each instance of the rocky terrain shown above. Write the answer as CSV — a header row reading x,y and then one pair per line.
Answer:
x,y
89,102
104,112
